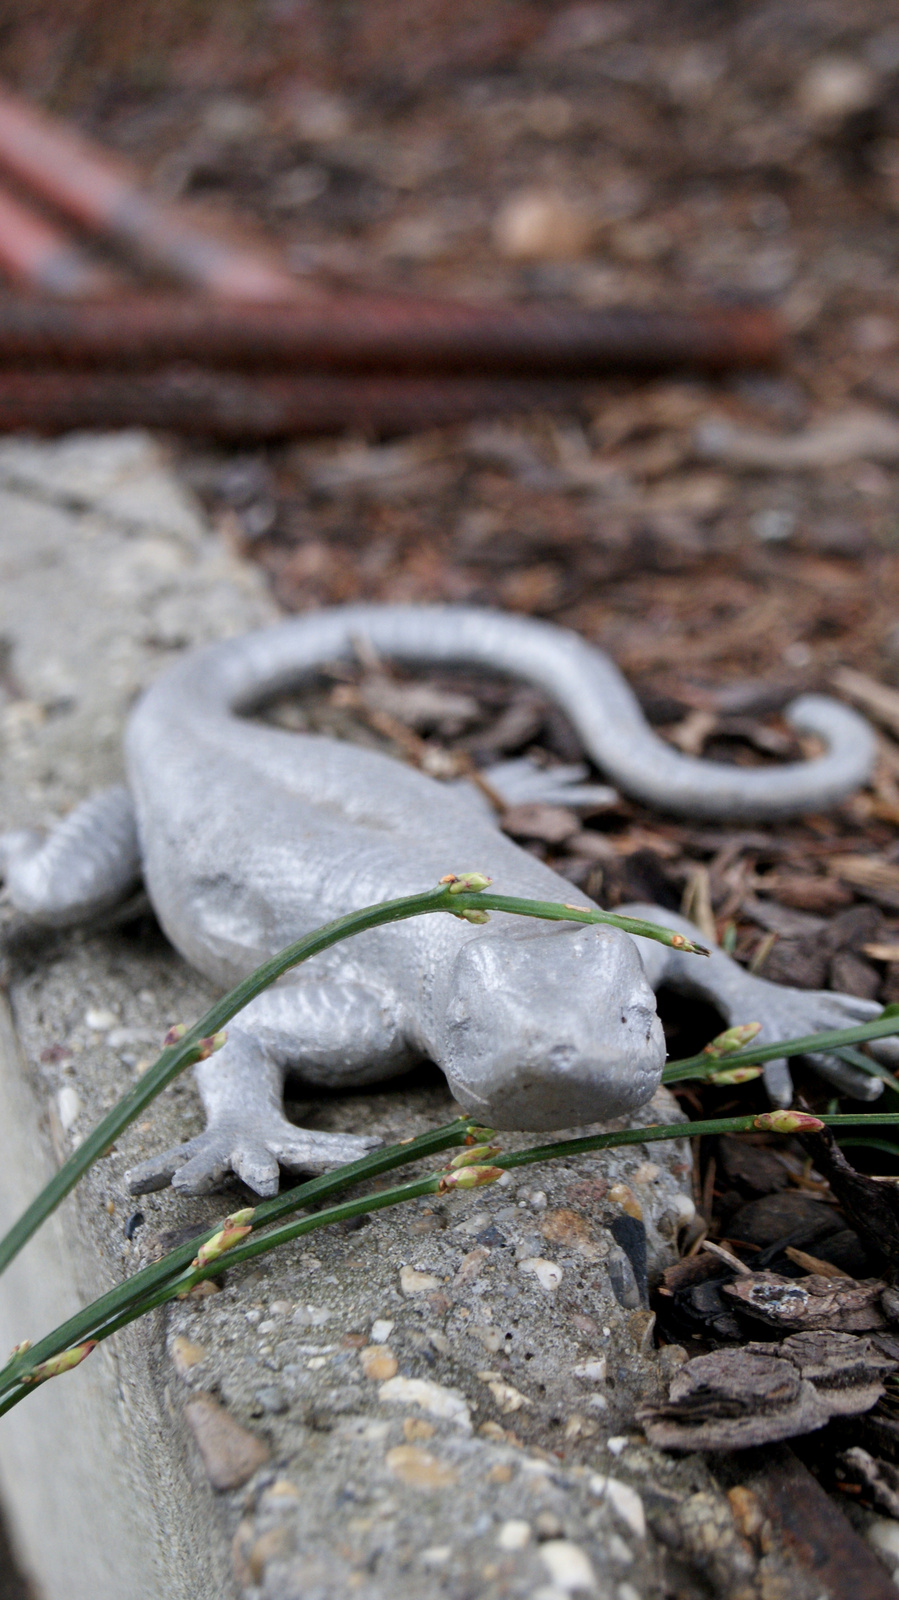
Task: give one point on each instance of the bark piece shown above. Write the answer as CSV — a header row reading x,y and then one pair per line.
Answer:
x,y
849,974
789,1217
754,1167
732,1400
873,1208
800,963
810,1303
777,1221
736,1399
873,876
848,1371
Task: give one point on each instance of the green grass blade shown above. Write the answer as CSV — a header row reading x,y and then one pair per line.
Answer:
x,y
177,1057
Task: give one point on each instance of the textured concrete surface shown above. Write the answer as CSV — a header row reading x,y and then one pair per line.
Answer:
x,y
436,1402
105,570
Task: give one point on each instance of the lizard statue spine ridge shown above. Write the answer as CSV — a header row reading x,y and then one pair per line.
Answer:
x,y
248,836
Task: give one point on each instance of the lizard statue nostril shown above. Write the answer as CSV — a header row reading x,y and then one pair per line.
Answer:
x,y
248,836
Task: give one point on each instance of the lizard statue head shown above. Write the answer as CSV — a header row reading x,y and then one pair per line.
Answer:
x,y
550,1026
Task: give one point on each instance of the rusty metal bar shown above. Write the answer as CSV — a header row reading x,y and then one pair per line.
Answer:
x,y
230,406
103,194
356,332
807,1524
37,255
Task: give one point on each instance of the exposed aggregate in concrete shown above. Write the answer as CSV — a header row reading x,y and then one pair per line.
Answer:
x,y
443,1394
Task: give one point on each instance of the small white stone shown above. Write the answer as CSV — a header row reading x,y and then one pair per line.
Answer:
x,y
683,1207
100,1021
618,1550
507,1397
68,1106
312,1316
537,226
626,1591
121,1038
617,1444
473,1224
593,1371
568,1566
514,1535
884,1535
548,1273
835,87
538,1201
375,1431
625,1502
413,1282
448,1404
647,1172
437,1555
315,1363
381,1331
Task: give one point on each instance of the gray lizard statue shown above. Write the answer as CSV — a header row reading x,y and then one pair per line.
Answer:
x,y
247,836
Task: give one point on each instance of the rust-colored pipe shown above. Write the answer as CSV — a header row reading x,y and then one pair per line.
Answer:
x,y
229,406
36,255
103,195
385,334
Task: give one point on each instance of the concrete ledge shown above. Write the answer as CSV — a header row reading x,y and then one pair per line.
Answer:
x,y
437,1402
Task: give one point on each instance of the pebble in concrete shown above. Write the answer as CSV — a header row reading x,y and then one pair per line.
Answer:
x,y
231,1454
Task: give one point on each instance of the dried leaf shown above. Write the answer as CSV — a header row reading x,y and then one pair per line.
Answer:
x,y
549,824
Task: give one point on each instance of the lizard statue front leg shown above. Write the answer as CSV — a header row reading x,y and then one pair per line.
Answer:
x,y
333,1033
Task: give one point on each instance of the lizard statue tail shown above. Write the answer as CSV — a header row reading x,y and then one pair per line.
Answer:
x,y
237,675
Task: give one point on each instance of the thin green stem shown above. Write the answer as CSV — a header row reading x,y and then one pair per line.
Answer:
x,y
173,1276
148,1280
704,1066
673,1130
189,1048
14,1384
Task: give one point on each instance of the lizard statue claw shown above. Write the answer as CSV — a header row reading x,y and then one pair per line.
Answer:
x,y
248,836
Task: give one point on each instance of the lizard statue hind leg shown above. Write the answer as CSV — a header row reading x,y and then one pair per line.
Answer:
x,y
334,1033
86,864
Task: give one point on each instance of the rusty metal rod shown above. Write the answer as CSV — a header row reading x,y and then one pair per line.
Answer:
x,y
355,332
37,255
807,1525
238,407
103,194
